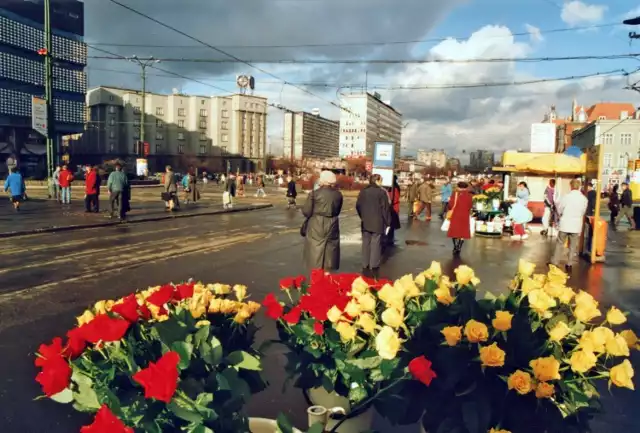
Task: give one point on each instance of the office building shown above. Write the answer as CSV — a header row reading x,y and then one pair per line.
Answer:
x,y
232,127
22,75
433,158
307,135
481,160
365,119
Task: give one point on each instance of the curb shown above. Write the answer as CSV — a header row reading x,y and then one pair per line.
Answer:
x,y
129,222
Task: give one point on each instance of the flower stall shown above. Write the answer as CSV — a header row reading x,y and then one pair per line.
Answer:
x,y
489,216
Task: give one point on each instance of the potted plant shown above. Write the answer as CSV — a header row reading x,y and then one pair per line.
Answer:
x,y
168,359
523,362
345,337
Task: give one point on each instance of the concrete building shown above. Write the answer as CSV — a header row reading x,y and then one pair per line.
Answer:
x,y
365,120
481,160
433,158
307,135
621,141
22,76
216,128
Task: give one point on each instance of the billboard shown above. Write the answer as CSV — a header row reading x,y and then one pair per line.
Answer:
x,y
543,137
383,155
66,15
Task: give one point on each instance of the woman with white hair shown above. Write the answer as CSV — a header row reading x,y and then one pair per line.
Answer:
x,y
322,227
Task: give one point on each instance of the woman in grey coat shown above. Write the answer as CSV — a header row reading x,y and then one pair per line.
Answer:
x,y
322,208
170,188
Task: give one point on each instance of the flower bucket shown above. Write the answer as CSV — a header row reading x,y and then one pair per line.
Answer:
x,y
357,424
496,204
263,425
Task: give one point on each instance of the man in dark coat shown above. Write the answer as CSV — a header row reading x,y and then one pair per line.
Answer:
x,y
322,208
412,196
375,212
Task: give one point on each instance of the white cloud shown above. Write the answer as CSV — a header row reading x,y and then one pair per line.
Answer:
x,y
535,34
576,13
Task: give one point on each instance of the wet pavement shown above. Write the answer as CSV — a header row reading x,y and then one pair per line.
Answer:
x,y
48,279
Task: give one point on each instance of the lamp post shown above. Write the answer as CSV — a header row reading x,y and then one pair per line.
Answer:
x,y
48,86
144,64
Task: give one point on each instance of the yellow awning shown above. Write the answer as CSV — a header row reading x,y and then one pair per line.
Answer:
x,y
554,163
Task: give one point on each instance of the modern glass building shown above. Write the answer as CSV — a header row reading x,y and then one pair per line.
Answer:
x,y
22,72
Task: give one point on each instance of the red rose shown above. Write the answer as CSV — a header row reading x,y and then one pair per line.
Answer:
x,y
293,316
128,309
49,351
318,328
287,283
160,379
104,328
420,368
184,291
299,280
273,308
106,422
55,375
75,343
161,296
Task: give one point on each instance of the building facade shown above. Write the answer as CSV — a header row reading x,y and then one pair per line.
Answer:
x,y
192,128
365,119
481,160
432,158
22,75
307,135
621,141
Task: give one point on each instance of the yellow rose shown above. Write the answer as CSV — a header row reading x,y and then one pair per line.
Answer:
x,y
540,302
408,286
586,312
559,331
392,296
387,343
334,314
492,356
392,317
254,307
346,331
353,308
86,317
367,302
443,292
603,334
221,289
367,323
521,382
434,271
545,390
557,275
622,374
243,314
421,280
631,338
197,306
545,369
554,289
615,316
529,285
199,288
592,342
359,287
502,322
229,307
215,305
241,292
476,332
102,307
617,346
525,268
464,275
566,296
452,335
155,313
202,323
582,361
583,297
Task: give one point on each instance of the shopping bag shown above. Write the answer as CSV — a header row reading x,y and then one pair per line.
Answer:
x,y
472,224
226,198
445,225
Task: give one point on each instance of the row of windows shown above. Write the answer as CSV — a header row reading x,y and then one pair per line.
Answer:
x,y
626,139
608,160
15,103
32,39
33,72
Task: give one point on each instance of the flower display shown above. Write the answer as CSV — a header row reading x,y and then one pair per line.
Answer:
x,y
176,357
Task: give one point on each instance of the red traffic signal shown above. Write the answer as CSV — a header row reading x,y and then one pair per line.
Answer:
x,y
146,148
43,52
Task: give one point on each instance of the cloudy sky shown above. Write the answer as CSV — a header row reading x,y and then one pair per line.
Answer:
x,y
484,117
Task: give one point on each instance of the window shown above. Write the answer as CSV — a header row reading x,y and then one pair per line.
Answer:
x,y
136,134
203,149
112,134
225,137
224,103
180,123
112,147
112,109
623,160
602,117
110,97
158,148
181,148
225,114
224,125
203,136
159,136
159,123
203,124
607,160
624,115
224,149
203,112
202,102
136,110
180,135
625,139
608,139
112,121
159,111
181,112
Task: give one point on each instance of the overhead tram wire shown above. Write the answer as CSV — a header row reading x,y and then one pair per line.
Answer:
x,y
237,59
362,44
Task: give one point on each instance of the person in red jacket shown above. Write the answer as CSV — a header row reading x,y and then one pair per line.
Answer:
x,y
65,179
91,185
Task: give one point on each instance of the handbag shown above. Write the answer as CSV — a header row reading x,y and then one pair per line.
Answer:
x,y
305,225
445,225
450,212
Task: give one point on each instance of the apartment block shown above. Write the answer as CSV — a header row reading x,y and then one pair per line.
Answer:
x,y
307,135
432,158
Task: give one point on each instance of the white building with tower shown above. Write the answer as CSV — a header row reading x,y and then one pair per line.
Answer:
x,y
365,119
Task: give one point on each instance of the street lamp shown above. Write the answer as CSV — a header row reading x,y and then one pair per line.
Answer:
x,y
633,22
143,63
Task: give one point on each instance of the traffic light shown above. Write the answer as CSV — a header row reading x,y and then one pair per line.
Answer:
x,y
42,52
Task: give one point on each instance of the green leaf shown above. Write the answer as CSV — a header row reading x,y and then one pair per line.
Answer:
x,y
470,416
357,394
65,396
316,428
388,366
201,336
200,429
366,363
86,399
284,425
241,359
185,350
171,331
185,412
239,387
212,352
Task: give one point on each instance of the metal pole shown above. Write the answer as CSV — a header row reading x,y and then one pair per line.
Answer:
x,y
144,101
48,65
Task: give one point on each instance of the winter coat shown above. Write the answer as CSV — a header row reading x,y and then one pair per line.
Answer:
x,y
91,183
117,181
394,197
291,190
230,187
627,199
170,182
15,184
460,226
425,192
373,209
322,241
412,192
65,179
194,195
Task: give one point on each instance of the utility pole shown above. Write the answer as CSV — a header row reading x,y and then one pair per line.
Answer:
x,y
143,63
48,77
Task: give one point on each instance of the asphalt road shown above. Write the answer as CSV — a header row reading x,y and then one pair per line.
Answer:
x,y
48,279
